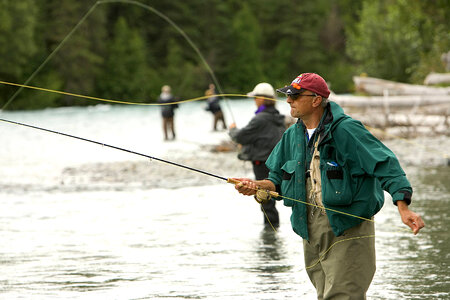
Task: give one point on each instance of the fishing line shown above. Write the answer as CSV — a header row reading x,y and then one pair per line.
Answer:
x,y
337,211
444,155
147,7
124,102
335,243
267,218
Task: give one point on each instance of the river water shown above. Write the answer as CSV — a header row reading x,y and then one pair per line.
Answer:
x,y
82,221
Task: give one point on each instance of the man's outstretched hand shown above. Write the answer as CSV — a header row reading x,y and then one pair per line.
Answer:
x,y
410,218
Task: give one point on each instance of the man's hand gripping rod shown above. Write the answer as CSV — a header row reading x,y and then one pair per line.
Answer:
x,y
262,196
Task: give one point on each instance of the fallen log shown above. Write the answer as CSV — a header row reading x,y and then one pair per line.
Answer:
x,y
437,78
377,86
391,101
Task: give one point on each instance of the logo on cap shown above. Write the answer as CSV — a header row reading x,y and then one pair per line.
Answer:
x,y
297,79
295,83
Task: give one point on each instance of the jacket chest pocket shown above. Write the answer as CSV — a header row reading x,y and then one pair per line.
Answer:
x,y
336,182
288,182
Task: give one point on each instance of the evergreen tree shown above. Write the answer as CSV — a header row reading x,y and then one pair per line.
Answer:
x,y
18,20
125,72
79,59
296,26
211,31
180,73
278,68
246,65
17,27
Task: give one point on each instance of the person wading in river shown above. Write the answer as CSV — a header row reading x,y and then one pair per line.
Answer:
x,y
167,111
340,169
213,105
259,137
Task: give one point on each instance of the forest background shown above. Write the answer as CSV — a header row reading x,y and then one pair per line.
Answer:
x,y
125,52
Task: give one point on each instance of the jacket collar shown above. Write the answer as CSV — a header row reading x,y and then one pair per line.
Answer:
x,y
324,125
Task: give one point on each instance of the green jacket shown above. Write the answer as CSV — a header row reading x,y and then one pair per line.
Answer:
x,y
355,169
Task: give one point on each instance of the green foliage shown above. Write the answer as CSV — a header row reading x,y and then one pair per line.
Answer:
x,y
246,65
79,60
277,68
126,52
17,24
18,20
180,73
435,35
125,71
431,61
385,43
398,39
339,77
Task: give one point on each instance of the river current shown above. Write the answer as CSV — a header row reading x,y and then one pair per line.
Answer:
x,y
82,221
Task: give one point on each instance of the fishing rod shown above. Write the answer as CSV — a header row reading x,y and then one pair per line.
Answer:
x,y
262,195
229,180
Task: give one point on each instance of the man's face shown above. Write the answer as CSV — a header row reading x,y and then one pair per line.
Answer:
x,y
259,101
302,104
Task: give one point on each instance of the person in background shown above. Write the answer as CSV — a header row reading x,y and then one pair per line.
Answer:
x,y
213,106
167,111
339,170
259,137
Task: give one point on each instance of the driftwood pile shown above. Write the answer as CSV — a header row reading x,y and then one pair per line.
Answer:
x,y
398,109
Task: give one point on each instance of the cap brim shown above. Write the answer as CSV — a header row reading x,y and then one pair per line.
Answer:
x,y
288,90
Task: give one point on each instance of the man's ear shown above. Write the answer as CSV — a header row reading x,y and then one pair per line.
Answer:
x,y
317,101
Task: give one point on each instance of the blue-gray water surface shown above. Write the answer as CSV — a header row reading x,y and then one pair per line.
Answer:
x,y
82,221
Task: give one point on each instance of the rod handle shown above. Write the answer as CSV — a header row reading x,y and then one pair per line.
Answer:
x,y
233,181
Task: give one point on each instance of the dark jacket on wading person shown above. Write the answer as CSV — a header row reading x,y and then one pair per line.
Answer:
x,y
213,106
259,137
167,111
332,172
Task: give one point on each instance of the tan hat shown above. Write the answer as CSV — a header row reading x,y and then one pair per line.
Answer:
x,y
262,89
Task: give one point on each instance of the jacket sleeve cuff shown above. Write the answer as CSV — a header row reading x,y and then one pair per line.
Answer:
x,y
274,178
233,133
277,184
402,195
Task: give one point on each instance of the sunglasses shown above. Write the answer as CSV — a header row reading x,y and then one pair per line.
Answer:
x,y
296,96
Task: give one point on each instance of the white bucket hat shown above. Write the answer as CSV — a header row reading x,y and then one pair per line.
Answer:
x,y
263,89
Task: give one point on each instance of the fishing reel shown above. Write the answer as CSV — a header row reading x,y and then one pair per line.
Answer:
x,y
263,196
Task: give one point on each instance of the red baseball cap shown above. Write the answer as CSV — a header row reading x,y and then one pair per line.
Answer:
x,y
307,81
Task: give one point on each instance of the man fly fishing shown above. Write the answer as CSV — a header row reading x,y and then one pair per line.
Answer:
x,y
331,163
334,164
